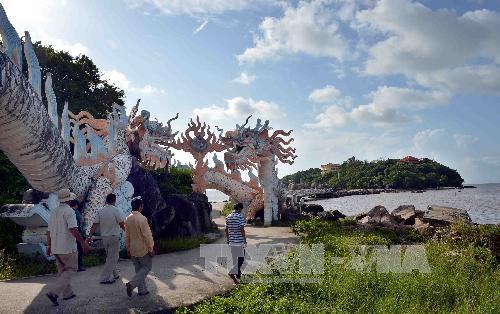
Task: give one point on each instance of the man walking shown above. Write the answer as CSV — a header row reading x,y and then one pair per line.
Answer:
x,y
61,235
140,247
109,220
236,238
79,221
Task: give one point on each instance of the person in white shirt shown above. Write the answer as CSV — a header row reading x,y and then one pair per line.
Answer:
x,y
109,219
61,235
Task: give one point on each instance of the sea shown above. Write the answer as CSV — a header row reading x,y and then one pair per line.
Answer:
x,y
482,203
216,196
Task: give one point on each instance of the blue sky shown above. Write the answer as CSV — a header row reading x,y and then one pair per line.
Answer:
x,y
371,79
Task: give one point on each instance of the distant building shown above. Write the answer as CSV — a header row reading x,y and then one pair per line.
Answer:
x,y
409,160
329,167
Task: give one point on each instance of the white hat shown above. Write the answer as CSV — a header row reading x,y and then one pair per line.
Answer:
x,y
65,195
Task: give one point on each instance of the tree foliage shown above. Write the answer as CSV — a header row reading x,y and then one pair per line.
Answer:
x,y
177,181
12,182
356,174
78,81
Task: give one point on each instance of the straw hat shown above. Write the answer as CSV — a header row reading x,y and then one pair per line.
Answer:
x,y
65,195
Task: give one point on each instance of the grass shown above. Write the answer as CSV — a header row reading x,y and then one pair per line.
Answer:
x,y
181,243
13,265
464,278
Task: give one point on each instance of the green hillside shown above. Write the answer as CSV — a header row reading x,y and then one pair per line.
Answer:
x,y
357,174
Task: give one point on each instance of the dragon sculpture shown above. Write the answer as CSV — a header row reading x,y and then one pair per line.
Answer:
x,y
92,157
256,148
245,149
199,140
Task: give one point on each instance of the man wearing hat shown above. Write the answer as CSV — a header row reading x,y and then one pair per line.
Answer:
x,y
61,235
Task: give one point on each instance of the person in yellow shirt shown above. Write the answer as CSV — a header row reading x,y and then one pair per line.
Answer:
x,y
140,247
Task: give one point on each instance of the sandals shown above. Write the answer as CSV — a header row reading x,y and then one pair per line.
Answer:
x,y
53,299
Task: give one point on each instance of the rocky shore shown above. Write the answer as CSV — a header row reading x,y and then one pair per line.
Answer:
x,y
402,217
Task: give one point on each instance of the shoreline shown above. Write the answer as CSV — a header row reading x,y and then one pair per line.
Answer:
x,y
329,193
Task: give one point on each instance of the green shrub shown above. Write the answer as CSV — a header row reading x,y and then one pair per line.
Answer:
x,y
227,209
13,265
10,234
173,181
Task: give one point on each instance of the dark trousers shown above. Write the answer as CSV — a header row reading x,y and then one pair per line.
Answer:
x,y
80,255
238,258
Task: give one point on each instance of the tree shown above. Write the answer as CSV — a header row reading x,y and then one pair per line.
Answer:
x,y
78,81
357,174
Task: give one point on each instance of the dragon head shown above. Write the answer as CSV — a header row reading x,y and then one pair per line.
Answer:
x,y
148,140
247,145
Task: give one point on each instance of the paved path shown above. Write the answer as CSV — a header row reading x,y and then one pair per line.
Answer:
x,y
177,279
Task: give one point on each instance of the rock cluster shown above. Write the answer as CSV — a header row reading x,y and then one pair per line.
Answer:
x,y
405,216
424,222
175,215
315,210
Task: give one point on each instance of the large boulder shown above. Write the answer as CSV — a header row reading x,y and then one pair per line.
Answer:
x,y
406,214
172,215
204,208
423,228
191,218
313,209
377,215
331,215
444,216
145,185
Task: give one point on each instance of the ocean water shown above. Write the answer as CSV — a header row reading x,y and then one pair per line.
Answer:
x,y
216,196
482,204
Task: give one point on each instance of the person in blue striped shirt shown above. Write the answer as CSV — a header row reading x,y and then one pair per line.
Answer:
x,y
236,238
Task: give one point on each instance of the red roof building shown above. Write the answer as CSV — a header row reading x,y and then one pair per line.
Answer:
x,y
409,160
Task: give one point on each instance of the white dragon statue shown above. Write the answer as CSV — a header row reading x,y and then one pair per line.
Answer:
x,y
257,148
92,157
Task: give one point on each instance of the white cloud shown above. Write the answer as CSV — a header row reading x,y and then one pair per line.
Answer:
x,y
388,106
112,44
119,79
244,78
35,17
309,28
201,27
433,47
464,140
73,49
465,79
194,7
147,89
326,94
116,77
239,107
333,116
422,138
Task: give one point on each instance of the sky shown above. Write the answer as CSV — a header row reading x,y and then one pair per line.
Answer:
x,y
363,78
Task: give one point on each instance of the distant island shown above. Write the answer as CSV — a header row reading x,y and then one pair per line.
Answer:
x,y
405,173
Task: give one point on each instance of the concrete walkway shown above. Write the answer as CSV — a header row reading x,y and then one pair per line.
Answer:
x,y
177,279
